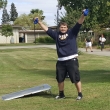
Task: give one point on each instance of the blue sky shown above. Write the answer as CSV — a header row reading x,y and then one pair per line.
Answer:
x,y
24,6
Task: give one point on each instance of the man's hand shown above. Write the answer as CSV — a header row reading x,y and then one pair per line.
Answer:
x,y
85,12
43,26
36,20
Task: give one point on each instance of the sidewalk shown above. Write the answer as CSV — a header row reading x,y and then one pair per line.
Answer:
x,y
29,46
95,51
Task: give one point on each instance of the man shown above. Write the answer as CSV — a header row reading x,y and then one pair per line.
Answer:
x,y
88,42
102,40
67,54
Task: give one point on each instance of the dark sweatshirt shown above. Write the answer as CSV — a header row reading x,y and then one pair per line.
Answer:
x,y
65,42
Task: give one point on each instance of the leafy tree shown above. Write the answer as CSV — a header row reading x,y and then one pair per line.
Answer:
x,y
6,31
99,11
5,16
3,3
26,20
70,18
36,11
40,12
13,12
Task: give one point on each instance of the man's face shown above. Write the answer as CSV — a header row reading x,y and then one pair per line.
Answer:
x,y
63,28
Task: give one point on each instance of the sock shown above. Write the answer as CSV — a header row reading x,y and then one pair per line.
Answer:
x,y
61,93
80,94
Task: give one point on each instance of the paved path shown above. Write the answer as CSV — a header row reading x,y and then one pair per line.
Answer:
x,y
95,51
30,46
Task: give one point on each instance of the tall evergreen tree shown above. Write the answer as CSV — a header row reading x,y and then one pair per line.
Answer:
x,y
5,16
13,12
3,3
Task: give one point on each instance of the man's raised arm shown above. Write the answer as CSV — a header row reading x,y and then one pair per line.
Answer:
x,y
81,19
85,13
43,26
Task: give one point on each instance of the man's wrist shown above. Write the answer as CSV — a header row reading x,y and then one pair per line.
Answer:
x,y
39,22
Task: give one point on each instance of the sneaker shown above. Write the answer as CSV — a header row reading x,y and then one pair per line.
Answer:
x,y
91,51
59,97
79,98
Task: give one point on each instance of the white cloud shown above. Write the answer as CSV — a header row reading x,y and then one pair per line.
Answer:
x,y
24,6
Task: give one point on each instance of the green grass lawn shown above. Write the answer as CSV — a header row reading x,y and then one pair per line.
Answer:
x,y
24,68
25,44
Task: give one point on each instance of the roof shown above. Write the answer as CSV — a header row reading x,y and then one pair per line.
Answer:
x,y
31,31
53,27
14,26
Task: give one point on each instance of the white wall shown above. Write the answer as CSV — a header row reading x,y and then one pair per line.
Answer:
x,y
15,37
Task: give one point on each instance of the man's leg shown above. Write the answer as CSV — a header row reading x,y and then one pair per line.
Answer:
x,y
91,49
86,49
78,86
86,46
61,86
90,46
60,76
61,91
101,47
73,71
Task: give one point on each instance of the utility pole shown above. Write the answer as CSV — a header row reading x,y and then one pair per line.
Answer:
x,y
34,32
58,8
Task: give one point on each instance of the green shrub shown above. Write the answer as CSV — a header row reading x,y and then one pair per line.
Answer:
x,y
95,43
45,40
107,46
81,44
41,40
80,52
107,36
49,40
98,47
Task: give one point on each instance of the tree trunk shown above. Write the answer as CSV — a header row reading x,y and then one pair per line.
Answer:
x,y
6,40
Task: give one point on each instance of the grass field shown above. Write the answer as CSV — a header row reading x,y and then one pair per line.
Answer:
x,y
24,68
25,44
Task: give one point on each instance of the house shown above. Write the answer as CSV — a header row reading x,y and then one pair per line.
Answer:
x,y
29,36
11,39
21,35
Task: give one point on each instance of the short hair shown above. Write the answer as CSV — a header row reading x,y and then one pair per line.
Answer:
x,y
63,23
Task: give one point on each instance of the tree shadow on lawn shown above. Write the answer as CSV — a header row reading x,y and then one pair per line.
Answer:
x,y
45,95
87,76
95,76
41,73
92,76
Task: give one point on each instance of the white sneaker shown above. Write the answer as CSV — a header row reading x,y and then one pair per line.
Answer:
x,y
59,97
79,98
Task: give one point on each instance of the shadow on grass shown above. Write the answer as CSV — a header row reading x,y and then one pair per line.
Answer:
x,y
92,76
41,73
44,95
89,76
40,94
95,76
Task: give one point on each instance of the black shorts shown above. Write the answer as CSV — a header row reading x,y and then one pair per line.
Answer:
x,y
71,67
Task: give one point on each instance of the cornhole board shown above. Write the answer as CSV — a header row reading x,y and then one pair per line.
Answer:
x,y
29,91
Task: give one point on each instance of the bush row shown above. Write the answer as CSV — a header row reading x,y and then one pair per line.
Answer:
x,y
81,44
44,40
